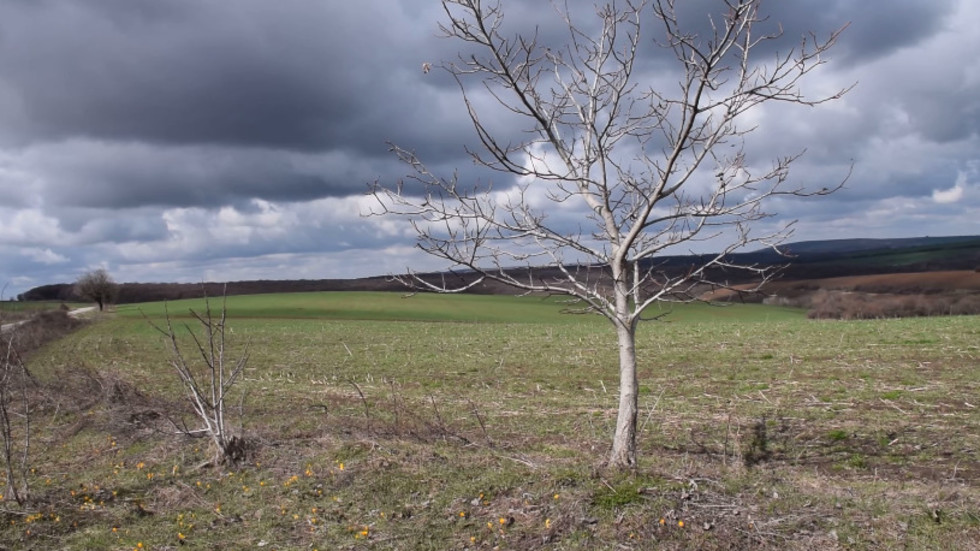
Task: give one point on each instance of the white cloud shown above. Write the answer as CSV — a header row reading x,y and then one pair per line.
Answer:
x,y
945,196
964,186
44,256
29,227
262,228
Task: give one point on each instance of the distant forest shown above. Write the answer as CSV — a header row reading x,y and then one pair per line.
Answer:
x,y
803,260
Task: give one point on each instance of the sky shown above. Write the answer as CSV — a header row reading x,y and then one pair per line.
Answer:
x,y
223,140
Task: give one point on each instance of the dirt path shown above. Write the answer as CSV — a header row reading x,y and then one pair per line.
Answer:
x,y
79,311
74,313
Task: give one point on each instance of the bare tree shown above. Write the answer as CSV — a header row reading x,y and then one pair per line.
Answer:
x,y
646,164
98,286
209,380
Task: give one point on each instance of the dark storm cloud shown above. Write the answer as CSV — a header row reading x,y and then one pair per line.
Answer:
x,y
129,175
294,74
133,174
874,29
179,103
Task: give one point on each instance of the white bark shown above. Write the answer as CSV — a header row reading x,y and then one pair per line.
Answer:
x,y
623,453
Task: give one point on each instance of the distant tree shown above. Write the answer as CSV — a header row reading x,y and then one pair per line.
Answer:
x,y
98,286
655,168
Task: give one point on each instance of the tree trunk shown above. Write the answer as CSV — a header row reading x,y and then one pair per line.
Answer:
x,y
624,442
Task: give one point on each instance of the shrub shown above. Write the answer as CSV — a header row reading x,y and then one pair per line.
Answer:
x,y
827,304
210,379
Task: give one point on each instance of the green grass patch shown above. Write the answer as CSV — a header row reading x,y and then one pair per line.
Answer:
x,y
368,306
620,492
380,306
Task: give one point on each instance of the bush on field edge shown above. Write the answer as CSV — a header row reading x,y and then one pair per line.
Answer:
x,y
832,304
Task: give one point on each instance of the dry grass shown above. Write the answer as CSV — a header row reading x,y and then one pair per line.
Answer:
x,y
386,435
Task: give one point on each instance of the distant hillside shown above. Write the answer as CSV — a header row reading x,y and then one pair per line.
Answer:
x,y
851,257
844,246
803,260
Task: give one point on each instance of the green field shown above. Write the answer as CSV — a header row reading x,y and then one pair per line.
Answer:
x,y
437,307
470,422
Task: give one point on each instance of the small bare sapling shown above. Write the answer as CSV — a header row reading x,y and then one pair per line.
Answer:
x,y
209,380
